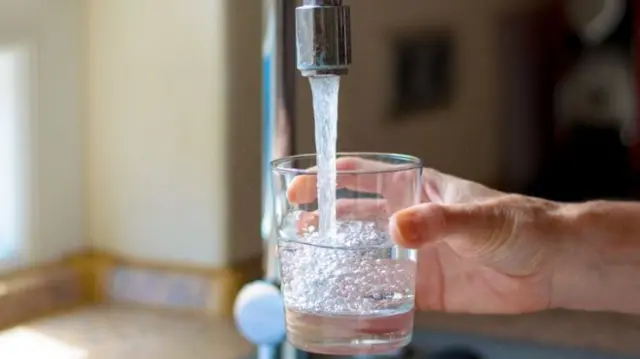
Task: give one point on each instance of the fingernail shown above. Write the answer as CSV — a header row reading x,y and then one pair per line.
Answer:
x,y
292,193
291,196
405,228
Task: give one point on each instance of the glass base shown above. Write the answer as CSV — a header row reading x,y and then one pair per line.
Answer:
x,y
365,347
349,334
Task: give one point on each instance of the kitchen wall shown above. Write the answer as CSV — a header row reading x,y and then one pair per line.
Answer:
x,y
174,129
463,138
51,34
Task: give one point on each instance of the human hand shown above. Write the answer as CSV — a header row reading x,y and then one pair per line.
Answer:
x,y
480,250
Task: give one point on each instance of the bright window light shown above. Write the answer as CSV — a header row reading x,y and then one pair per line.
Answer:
x,y
13,158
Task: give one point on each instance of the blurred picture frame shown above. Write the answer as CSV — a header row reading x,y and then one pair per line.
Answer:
x,y
423,71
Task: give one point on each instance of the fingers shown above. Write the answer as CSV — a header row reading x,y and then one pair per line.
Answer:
x,y
361,209
348,209
303,188
479,224
438,187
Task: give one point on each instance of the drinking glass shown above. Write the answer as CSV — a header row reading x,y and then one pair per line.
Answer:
x,y
349,290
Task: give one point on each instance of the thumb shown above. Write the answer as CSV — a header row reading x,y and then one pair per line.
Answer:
x,y
427,223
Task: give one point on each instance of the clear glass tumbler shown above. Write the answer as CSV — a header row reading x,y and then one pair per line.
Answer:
x,y
350,292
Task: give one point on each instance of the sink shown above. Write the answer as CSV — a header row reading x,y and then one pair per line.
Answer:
x,y
439,345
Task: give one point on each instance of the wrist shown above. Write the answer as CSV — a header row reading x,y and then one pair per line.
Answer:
x,y
575,263
599,258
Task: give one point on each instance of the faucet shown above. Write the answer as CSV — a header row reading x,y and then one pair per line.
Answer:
x,y
315,38
323,38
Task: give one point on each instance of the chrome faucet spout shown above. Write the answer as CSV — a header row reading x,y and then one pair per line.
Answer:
x,y
323,38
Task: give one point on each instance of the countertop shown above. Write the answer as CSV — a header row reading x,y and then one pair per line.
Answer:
x,y
608,332
107,332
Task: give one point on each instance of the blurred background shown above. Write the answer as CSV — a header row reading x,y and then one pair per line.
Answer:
x,y
130,154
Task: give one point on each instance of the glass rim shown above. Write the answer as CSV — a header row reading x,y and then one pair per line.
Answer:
x,y
410,163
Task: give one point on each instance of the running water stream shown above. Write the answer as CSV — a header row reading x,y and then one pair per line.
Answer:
x,y
325,91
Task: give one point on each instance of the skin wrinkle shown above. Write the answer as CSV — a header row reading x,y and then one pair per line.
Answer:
x,y
517,220
493,289
500,234
432,194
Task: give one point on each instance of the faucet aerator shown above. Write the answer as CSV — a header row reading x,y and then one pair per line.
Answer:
x,y
323,38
